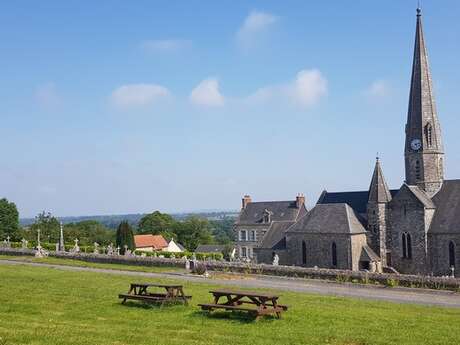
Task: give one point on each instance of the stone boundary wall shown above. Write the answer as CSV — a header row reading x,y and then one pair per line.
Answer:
x,y
388,279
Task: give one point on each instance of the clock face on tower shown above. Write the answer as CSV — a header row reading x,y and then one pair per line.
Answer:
x,y
416,144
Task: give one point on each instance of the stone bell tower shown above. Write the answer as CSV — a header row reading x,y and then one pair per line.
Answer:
x,y
424,153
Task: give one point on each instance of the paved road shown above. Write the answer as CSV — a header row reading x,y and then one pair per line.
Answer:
x,y
398,295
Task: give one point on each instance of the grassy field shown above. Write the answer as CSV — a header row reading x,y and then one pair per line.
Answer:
x,y
47,306
80,263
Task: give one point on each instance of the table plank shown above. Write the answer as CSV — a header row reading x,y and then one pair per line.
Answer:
x,y
243,293
157,285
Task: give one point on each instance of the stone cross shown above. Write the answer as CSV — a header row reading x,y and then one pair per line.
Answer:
x,y
24,243
61,239
452,270
187,264
276,260
96,248
118,250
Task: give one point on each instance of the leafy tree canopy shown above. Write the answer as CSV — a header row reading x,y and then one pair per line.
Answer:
x,y
49,227
193,231
157,223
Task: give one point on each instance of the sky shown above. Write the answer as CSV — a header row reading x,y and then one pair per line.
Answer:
x,y
113,107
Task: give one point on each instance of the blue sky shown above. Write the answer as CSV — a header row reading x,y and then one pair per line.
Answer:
x,y
124,107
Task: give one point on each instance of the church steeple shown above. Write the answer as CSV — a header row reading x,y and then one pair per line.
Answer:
x,y
423,149
378,190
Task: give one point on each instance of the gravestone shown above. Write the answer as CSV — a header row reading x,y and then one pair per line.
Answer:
x,y
24,243
276,260
96,248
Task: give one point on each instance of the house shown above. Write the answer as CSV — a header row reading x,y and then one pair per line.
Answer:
x,y
260,227
174,247
150,243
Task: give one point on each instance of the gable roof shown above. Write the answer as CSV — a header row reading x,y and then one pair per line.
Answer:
x,y
419,194
286,211
147,241
447,215
275,235
356,200
329,218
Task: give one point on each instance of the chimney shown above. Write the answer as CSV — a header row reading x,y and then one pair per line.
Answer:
x,y
245,201
299,200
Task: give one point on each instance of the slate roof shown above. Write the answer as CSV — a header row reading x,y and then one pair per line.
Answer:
x,y
147,241
275,235
447,215
378,189
356,200
367,254
331,219
280,211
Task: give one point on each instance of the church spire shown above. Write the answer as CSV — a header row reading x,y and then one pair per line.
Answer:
x,y
423,149
378,190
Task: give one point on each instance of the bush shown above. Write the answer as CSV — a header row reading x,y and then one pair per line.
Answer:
x,y
199,269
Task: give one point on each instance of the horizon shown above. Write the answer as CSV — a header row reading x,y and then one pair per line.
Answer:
x,y
201,103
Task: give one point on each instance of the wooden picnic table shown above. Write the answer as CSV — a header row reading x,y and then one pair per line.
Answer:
x,y
233,301
139,291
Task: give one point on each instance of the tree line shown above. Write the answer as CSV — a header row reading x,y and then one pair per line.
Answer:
x,y
189,232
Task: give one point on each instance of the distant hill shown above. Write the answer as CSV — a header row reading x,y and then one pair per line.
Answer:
x,y
112,221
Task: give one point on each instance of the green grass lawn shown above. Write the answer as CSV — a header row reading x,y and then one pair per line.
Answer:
x,y
80,263
47,306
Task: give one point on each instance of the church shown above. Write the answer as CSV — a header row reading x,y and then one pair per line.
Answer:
x,y
411,230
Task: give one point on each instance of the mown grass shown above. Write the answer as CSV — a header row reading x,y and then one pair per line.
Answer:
x,y
47,306
81,263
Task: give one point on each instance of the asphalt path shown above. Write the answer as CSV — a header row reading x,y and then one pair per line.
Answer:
x,y
311,286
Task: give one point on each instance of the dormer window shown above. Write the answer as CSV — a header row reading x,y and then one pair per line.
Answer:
x,y
267,216
428,130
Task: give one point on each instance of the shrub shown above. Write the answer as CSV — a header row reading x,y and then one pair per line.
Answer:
x,y
199,269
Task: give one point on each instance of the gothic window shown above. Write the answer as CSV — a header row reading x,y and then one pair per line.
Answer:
x,y
428,134
406,246
451,254
334,254
417,170
304,253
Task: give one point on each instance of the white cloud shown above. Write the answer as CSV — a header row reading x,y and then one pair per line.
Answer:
x,y
138,95
305,90
47,95
253,26
207,93
165,46
379,89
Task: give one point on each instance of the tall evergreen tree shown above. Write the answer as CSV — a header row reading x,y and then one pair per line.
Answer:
x,y
9,220
125,237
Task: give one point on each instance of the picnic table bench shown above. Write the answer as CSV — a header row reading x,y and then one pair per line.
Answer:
x,y
237,300
139,291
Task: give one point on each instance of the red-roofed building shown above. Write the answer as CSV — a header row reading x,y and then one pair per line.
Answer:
x,y
150,243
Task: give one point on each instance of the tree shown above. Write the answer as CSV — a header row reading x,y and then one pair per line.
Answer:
x,y
157,223
9,220
222,230
49,227
125,237
193,231
88,232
